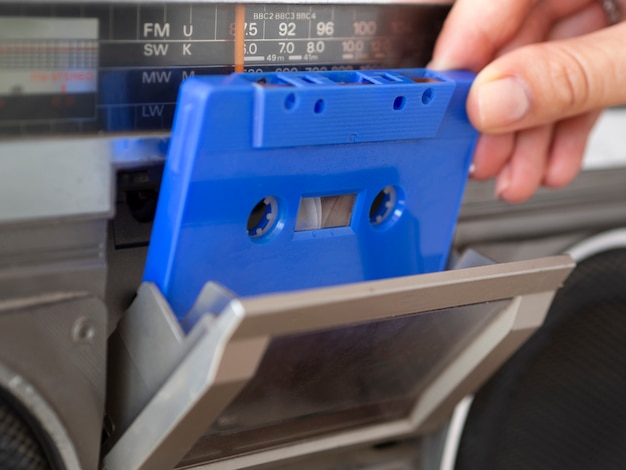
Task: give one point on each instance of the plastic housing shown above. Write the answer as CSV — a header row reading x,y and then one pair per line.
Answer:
x,y
246,149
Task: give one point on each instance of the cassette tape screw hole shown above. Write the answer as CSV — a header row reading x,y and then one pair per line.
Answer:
x,y
319,107
263,218
272,82
290,101
386,207
399,103
427,96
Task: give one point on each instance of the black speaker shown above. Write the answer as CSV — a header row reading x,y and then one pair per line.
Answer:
x,y
23,445
560,401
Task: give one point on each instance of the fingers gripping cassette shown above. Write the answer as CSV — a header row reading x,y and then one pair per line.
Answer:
x,y
285,181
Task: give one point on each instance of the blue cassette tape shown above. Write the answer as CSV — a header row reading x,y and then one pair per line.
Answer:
x,y
285,181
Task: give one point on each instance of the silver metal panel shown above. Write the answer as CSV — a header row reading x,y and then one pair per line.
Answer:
x,y
55,200
55,179
43,28
606,241
596,200
53,357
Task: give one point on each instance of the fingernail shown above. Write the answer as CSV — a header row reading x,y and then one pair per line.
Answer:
x,y
502,102
472,169
503,182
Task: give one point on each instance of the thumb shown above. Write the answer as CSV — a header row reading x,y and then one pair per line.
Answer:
x,y
547,82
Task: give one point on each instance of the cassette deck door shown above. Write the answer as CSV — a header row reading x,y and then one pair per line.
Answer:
x,y
284,375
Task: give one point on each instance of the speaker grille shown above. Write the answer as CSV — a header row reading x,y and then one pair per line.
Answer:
x,y
20,448
560,402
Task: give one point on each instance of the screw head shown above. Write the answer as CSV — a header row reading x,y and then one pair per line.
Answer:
x,y
83,331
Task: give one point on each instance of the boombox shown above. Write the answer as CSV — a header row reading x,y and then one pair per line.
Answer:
x,y
243,236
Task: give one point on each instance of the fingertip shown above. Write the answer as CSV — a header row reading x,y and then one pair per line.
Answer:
x,y
568,149
498,104
453,57
491,154
440,63
526,168
511,189
503,183
562,173
583,21
514,195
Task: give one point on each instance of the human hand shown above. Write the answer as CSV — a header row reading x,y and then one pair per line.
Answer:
x,y
546,69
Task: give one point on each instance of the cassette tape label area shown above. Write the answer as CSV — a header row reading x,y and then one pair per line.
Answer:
x,y
287,181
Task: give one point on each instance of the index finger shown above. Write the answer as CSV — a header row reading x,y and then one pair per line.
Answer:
x,y
476,29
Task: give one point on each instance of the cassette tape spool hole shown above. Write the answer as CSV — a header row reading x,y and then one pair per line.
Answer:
x,y
263,219
387,207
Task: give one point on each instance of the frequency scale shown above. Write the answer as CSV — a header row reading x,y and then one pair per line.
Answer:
x,y
89,67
